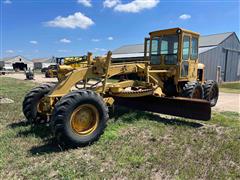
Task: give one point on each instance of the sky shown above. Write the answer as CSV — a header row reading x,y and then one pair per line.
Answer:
x,y
45,28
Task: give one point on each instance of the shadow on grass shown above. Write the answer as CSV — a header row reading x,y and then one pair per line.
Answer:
x,y
130,116
43,131
48,148
21,123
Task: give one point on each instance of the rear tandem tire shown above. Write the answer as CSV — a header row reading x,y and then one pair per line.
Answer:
x,y
30,103
211,92
79,118
193,90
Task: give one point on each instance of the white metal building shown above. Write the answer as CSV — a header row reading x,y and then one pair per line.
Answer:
x,y
15,63
221,51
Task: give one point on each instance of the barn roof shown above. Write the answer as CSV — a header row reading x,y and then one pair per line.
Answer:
x,y
204,49
14,59
213,39
128,49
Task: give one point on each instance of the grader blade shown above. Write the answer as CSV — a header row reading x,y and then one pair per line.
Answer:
x,y
182,107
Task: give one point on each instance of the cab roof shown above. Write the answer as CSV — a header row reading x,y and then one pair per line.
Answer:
x,y
172,31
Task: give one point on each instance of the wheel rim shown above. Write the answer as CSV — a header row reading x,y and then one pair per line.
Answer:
x,y
40,106
84,119
197,94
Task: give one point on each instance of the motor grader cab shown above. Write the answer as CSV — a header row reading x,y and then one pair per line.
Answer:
x,y
175,48
169,83
176,51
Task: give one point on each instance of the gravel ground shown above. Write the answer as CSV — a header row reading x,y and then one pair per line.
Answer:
x,y
38,78
226,101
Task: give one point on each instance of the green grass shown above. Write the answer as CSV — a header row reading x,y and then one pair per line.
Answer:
x,y
231,87
135,145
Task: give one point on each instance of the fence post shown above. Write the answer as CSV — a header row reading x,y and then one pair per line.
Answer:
x,y
219,74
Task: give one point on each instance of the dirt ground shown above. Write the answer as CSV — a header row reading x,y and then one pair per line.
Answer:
x,y
38,78
226,101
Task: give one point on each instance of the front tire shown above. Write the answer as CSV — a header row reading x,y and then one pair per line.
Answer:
x,y
211,92
79,118
193,90
31,101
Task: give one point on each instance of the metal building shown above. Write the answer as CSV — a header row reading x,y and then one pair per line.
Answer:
x,y
15,63
219,52
43,62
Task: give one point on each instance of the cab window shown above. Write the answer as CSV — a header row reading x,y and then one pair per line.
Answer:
x,y
175,47
194,52
155,57
148,47
186,47
164,48
155,46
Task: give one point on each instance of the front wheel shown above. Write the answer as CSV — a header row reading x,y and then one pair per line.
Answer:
x,y
79,118
193,90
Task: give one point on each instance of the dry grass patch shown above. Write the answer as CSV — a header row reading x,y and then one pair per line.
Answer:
x,y
230,87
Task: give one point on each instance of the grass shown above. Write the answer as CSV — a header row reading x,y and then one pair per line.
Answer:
x,y
135,145
230,87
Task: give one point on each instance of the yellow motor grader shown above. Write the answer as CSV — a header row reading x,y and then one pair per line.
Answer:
x,y
169,80
51,71
74,61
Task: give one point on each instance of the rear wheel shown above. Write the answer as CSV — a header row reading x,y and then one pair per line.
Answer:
x,y
193,90
31,103
79,118
211,92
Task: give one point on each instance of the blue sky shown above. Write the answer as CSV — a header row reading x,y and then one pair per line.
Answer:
x,y
44,28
